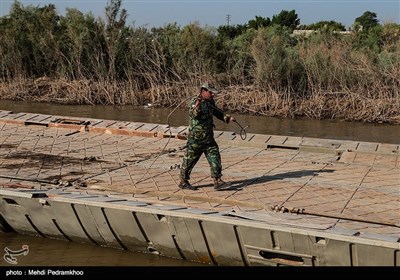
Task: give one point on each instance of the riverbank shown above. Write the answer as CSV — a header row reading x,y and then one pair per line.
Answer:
x,y
348,106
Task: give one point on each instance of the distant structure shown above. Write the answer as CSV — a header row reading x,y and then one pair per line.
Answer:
x,y
228,19
309,32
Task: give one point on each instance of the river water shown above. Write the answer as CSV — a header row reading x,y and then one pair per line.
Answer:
x,y
51,252
47,252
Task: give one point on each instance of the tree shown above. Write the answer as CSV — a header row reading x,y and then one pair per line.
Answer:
x,y
30,38
286,18
259,22
79,44
114,32
230,31
328,25
366,21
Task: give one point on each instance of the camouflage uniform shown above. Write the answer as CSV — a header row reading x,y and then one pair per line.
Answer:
x,y
201,138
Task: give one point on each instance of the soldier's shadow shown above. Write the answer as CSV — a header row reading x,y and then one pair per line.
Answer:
x,y
240,184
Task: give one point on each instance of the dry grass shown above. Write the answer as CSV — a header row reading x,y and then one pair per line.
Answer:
x,y
246,100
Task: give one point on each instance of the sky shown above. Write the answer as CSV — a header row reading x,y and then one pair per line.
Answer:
x,y
152,13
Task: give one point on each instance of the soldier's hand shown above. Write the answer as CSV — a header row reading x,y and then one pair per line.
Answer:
x,y
232,119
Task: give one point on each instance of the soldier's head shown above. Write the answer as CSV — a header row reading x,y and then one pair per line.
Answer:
x,y
208,90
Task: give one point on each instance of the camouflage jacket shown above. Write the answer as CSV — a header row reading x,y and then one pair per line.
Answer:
x,y
201,125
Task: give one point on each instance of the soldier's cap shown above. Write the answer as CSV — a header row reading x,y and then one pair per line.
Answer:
x,y
210,87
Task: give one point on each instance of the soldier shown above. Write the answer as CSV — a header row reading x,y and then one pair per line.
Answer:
x,y
201,140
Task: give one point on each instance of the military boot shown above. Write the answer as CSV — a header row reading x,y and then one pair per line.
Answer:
x,y
220,184
184,184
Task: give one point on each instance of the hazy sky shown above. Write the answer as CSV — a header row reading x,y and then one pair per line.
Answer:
x,y
151,13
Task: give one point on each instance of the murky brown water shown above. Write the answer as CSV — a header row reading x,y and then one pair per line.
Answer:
x,y
50,252
45,252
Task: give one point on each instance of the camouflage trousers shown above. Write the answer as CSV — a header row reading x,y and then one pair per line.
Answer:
x,y
193,153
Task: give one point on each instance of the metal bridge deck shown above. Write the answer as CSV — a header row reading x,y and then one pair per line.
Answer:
x,y
295,181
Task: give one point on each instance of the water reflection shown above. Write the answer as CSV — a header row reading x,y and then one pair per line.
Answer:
x,y
50,252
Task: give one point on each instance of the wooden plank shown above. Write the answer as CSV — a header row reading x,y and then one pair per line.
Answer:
x,y
388,148
4,113
16,116
119,125
135,125
276,140
147,127
103,123
258,138
316,142
348,145
293,141
367,147
41,119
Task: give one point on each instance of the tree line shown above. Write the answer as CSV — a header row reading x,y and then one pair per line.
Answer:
x,y
261,67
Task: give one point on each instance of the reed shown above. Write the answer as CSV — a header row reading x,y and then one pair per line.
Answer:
x,y
76,59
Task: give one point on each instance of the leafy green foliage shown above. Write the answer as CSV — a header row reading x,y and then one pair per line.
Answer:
x,y
325,25
259,22
286,18
230,31
32,35
276,63
366,21
263,53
